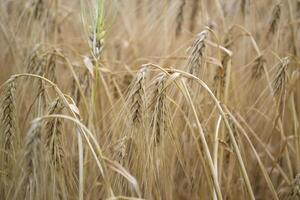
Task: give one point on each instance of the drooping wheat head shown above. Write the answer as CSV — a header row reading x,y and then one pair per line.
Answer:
x,y
159,121
279,83
31,162
53,130
55,150
36,63
42,64
195,62
220,75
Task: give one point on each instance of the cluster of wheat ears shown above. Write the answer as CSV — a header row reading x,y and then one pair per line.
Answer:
x,y
150,99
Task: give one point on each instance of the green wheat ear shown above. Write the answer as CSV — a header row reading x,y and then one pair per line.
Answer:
x,y
96,24
99,29
93,19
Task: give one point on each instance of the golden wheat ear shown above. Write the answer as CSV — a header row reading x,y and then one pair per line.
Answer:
x,y
55,150
30,179
159,121
8,138
137,97
8,117
53,136
195,61
280,80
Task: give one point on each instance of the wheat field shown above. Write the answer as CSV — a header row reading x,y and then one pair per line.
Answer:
x,y
150,99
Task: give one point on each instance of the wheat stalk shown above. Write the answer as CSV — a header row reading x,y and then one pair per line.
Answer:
x,y
36,64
